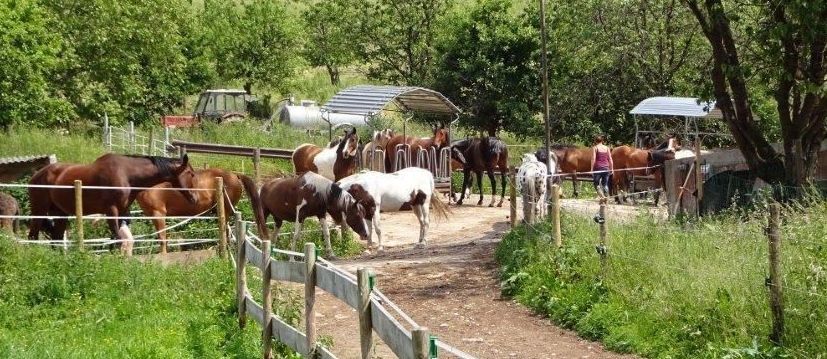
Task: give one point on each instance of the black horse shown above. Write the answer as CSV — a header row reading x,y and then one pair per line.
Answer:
x,y
483,154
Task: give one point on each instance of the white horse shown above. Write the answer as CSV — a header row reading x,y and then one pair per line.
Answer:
x,y
409,188
378,141
531,182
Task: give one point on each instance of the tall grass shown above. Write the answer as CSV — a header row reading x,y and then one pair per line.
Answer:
x,y
672,291
81,306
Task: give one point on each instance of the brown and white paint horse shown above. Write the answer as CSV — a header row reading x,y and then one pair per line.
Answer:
x,y
334,162
438,140
310,195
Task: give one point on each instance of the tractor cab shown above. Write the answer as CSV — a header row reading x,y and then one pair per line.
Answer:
x,y
223,105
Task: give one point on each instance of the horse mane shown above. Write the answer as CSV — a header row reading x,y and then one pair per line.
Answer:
x,y
164,164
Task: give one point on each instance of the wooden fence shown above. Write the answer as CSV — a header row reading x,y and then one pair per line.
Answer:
x,y
358,293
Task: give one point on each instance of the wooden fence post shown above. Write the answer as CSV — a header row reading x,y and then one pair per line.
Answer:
x,y
310,298
256,165
267,301
421,338
699,177
603,249
222,217
241,270
512,176
79,213
555,215
776,294
365,321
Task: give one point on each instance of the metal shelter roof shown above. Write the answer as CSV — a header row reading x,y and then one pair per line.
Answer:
x,y
367,100
677,106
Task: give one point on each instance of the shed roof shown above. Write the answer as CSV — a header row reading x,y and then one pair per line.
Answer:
x,y
677,106
369,100
26,159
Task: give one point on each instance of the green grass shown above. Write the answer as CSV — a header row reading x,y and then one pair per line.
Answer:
x,y
82,306
676,290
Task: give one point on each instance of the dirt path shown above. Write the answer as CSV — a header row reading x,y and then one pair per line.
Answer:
x,y
452,288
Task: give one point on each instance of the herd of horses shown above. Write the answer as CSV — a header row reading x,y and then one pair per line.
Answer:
x,y
327,182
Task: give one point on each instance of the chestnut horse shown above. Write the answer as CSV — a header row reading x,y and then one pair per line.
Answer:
x,y
309,195
483,154
438,140
112,170
335,162
625,157
162,203
571,160
40,202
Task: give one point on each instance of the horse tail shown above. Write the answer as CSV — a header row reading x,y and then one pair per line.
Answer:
x,y
440,208
255,200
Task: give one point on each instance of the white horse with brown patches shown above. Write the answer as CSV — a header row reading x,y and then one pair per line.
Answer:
x,y
409,188
335,162
310,195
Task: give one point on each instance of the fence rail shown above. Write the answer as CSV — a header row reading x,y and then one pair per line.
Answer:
x,y
374,316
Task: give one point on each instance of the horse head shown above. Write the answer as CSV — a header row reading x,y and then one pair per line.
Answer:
x,y
440,137
353,208
383,137
183,176
529,157
349,145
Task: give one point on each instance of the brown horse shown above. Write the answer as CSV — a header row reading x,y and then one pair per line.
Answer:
x,y
310,195
40,202
8,207
625,157
438,140
571,160
113,170
483,154
162,203
334,162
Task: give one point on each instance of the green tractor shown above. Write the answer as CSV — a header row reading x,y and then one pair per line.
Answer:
x,y
222,106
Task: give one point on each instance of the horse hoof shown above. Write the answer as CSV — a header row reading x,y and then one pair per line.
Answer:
x,y
380,249
491,205
330,256
419,245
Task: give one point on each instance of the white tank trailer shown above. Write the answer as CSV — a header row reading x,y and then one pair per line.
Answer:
x,y
309,115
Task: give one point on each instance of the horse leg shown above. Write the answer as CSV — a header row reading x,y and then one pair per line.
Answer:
x,y
380,248
297,230
479,185
422,216
503,170
465,177
161,228
575,192
493,180
326,233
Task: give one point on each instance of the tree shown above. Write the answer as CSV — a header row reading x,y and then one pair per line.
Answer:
x,y
396,38
487,67
126,58
789,53
330,43
255,42
29,53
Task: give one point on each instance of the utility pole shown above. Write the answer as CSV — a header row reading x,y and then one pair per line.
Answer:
x,y
544,71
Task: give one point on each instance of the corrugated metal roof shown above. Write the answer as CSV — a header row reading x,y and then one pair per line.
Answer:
x,y
23,159
369,100
677,106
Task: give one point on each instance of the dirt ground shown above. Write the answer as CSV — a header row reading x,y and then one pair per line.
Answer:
x,y
452,288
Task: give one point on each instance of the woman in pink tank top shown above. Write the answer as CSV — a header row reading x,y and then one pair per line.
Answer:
x,y
603,166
